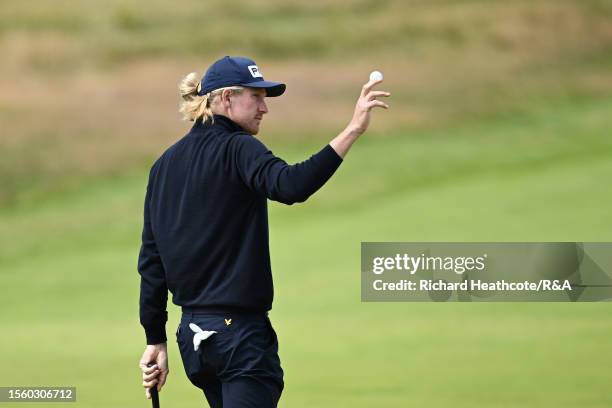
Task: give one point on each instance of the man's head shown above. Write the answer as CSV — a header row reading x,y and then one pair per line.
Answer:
x,y
233,87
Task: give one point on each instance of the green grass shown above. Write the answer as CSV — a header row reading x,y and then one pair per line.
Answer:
x,y
511,142
70,315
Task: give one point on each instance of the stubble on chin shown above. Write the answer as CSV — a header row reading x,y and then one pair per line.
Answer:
x,y
255,129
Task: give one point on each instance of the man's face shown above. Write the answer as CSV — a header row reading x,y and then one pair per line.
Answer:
x,y
247,108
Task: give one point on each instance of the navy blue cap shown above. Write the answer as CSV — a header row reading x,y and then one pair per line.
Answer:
x,y
237,71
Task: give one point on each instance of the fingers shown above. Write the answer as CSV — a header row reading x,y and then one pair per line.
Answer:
x,y
156,377
150,383
147,386
162,379
376,103
150,376
375,94
368,87
148,369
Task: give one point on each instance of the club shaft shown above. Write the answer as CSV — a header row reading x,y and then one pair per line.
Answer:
x,y
154,397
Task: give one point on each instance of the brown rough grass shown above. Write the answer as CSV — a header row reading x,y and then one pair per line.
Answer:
x,y
458,60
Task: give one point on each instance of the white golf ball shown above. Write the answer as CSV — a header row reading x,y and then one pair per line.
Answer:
x,y
376,76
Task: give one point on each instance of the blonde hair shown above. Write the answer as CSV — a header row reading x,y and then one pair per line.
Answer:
x,y
196,106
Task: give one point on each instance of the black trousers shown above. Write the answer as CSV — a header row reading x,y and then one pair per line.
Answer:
x,y
236,367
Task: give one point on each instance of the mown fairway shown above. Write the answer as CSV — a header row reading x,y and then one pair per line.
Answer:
x,y
499,131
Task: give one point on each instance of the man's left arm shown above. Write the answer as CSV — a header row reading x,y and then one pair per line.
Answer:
x,y
153,288
153,303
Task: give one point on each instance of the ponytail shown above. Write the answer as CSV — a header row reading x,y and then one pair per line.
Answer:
x,y
195,106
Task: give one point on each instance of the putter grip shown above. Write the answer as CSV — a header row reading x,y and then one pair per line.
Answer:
x,y
154,393
154,397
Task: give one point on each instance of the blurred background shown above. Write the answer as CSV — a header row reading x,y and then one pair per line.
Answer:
x,y
499,130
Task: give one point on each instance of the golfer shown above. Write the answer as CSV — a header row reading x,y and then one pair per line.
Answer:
x,y
205,235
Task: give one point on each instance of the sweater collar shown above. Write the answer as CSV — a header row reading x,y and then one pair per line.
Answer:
x,y
219,121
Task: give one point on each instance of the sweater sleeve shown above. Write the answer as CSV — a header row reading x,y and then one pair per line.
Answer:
x,y
153,289
266,174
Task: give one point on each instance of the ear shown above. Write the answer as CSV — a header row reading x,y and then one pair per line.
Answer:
x,y
225,97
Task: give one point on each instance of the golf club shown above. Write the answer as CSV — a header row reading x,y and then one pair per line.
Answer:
x,y
154,393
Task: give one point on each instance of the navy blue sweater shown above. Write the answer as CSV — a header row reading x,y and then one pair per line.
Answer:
x,y
205,235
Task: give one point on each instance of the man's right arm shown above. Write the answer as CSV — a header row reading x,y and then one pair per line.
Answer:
x,y
269,175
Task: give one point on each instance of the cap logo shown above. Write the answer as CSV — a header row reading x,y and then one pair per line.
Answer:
x,y
254,71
